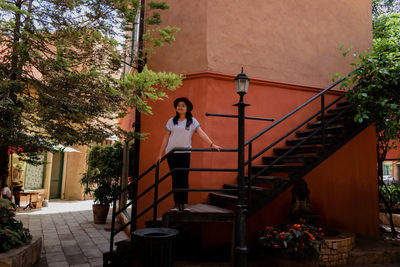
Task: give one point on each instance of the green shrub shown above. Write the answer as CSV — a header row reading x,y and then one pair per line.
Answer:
x,y
12,233
392,194
104,172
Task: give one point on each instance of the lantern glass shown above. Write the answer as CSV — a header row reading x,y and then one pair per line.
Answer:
x,y
242,85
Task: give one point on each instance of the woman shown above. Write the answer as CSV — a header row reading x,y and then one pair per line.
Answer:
x,y
6,192
179,134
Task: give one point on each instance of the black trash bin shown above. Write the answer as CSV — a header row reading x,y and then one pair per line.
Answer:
x,y
156,246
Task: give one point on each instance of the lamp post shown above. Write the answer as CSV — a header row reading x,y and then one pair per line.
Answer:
x,y
241,250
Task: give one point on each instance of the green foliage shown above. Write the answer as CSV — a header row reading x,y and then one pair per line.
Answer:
x,y
299,240
392,195
155,18
12,233
104,172
376,94
148,85
59,71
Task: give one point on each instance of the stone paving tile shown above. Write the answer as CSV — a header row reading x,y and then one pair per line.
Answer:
x,y
69,236
51,249
58,264
72,250
66,243
76,259
55,257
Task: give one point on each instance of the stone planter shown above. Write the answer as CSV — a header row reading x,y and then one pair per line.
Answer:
x,y
336,249
25,256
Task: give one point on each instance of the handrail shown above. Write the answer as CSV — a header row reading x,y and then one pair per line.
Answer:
x,y
291,131
297,145
322,129
158,180
298,108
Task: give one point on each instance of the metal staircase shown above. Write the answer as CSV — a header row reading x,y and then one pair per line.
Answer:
x,y
306,146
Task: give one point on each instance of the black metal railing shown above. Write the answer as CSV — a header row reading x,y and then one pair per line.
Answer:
x,y
154,187
322,130
157,180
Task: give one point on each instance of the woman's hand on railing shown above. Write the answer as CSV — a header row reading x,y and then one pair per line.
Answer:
x,y
158,159
216,147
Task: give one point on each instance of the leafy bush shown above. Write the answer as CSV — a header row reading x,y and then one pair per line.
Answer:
x,y
104,171
392,194
12,233
300,241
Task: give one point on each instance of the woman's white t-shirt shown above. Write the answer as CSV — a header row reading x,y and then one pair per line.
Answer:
x,y
180,136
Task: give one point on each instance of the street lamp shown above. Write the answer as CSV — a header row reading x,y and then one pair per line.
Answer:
x,y
242,83
241,250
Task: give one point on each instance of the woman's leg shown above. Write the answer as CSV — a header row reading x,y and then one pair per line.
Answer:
x,y
180,179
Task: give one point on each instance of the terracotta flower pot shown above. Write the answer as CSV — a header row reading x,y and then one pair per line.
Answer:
x,y
100,213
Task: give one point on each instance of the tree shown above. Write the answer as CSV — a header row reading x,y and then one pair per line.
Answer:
x,y
376,94
380,7
59,72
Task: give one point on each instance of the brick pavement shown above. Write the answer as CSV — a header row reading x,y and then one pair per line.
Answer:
x,y
70,238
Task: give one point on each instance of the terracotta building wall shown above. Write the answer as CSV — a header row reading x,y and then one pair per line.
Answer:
x,y
287,41
343,191
288,49
347,178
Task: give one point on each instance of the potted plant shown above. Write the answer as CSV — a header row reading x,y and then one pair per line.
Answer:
x,y
299,242
101,180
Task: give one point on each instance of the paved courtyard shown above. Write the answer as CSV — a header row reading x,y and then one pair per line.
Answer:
x,y
70,238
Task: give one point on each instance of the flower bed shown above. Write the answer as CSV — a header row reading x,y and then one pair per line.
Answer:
x,y
299,241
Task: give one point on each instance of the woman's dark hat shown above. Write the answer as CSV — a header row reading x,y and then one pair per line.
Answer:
x,y
185,100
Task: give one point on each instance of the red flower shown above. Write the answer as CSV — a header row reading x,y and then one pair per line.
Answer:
x,y
276,246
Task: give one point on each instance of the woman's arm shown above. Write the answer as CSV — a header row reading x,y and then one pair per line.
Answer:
x,y
163,144
206,139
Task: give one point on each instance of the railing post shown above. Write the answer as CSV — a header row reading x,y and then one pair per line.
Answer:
x,y
323,120
156,192
249,173
113,225
241,249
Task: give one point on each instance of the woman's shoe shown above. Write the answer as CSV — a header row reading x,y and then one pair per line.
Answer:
x,y
175,208
186,207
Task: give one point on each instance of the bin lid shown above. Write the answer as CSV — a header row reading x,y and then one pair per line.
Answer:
x,y
156,232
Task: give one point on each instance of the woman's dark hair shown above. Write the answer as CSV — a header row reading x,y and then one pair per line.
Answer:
x,y
189,116
189,119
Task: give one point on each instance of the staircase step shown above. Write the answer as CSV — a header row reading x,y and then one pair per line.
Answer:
x,y
344,103
276,168
339,122
300,158
269,179
333,129
311,141
217,198
345,116
338,109
258,189
299,150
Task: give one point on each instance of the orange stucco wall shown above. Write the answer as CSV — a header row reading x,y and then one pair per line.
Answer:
x,y
288,48
288,41
215,93
343,191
